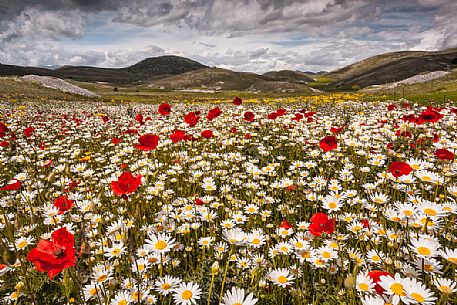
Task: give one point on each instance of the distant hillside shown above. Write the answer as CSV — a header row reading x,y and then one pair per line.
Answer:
x,y
9,70
392,67
226,80
443,84
164,66
143,71
289,76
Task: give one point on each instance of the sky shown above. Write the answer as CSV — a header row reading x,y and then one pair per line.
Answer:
x,y
241,35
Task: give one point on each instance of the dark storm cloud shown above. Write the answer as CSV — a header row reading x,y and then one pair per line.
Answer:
x,y
237,17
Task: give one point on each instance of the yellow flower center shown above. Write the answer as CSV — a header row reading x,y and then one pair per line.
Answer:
x,y
122,302
452,260
102,278
22,244
332,205
93,291
160,245
363,286
298,245
445,289
376,258
186,295
418,297
284,249
424,251
326,254
166,286
430,212
256,241
115,251
397,289
282,279
137,295
305,254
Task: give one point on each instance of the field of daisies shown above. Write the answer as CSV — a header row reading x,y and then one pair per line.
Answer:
x,y
237,203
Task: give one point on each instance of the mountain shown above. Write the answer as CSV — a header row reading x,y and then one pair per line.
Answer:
x,y
143,71
226,80
7,70
392,67
163,66
289,76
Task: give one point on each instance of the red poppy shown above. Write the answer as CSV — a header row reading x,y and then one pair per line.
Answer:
x,y
213,113
429,116
247,136
409,118
309,114
444,154
12,186
116,141
321,223
126,184
337,130
4,144
398,169
207,134
131,131
298,117
28,131
233,130
164,109
55,255
406,105
71,186
192,118
249,116
285,224
147,142
281,111
272,116
391,107
328,143
237,101
139,118
63,204
403,133
177,135
198,201
103,117
3,129
375,275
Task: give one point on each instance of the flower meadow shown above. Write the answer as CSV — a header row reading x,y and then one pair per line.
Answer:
x,y
235,203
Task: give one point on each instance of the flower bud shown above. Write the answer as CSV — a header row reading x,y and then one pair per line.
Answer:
x,y
215,268
349,282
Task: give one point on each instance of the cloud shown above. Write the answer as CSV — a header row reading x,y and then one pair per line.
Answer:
x,y
33,24
54,54
248,35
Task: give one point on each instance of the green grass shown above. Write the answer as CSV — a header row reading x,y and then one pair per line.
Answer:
x,y
321,82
